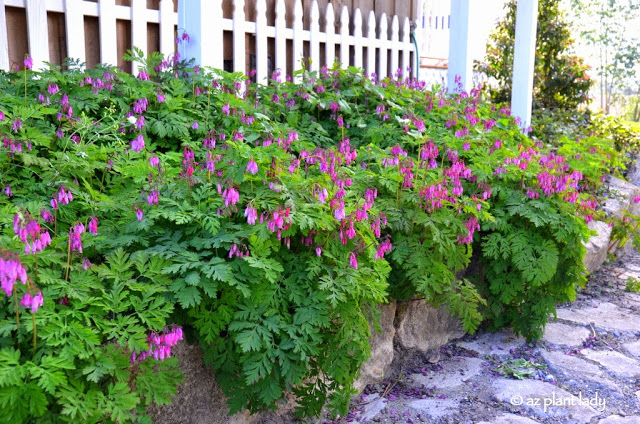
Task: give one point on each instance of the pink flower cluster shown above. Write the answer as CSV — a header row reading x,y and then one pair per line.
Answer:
x,y
347,231
32,302
383,248
407,170
377,223
75,239
159,344
321,193
152,197
64,197
93,225
238,251
396,152
472,225
345,149
308,239
188,164
138,143
11,271
353,261
434,195
231,196
338,209
552,183
277,221
252,167
251,214
454,174
140,105
30,233
15,146
429,154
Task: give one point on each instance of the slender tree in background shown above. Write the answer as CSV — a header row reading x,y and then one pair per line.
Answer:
x,y
560,81
605,29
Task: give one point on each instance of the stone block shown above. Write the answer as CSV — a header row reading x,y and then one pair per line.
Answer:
x,y
422,327
597,246
615,362
622,195
378,365
199,399
607,316
544,400
562,334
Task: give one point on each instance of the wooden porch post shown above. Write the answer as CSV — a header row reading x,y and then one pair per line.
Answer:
x,y
202,21
524,60
460,63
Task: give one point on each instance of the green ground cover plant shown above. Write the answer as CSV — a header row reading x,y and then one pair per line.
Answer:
x,y
265,221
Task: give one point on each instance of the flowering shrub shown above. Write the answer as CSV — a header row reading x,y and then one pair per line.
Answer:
x,y
268,221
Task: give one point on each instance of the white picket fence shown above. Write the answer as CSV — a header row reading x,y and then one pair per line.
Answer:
x,y
107,13
385,52
372,45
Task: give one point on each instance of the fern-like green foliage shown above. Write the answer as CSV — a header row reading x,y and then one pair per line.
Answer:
x,y
533,255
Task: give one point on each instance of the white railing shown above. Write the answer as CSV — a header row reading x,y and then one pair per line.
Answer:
x,y
385,52
436,24
433,76
107,13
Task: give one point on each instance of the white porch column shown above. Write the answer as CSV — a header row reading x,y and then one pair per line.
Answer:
x,y
202,21
460,62
523,61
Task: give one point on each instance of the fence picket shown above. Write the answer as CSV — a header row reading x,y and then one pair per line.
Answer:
x,y
406,49
239,61
382,54
344,38
107,23
4,40
167,28
281,37
138,30
330,30
262,55
371,44
358,40
38,33
75,31
395,51
314,44
298,53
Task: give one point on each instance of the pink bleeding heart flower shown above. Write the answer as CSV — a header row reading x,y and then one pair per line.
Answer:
x,y
252,167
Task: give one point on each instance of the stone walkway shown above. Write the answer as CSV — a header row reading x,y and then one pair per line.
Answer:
x,y
586,369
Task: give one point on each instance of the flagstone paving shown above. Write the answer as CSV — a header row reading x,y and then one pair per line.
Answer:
x,y
563,334
590,374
